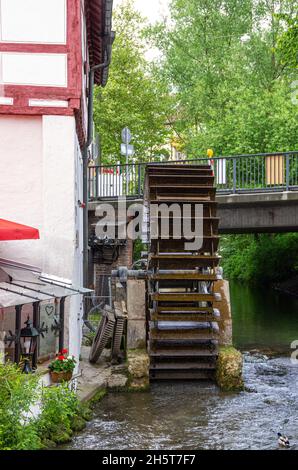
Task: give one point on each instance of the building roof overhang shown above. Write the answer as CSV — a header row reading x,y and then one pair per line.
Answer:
x,y
28,284
99,29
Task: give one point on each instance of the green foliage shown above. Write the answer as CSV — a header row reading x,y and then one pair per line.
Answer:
x,y
232,89
135,96
60,411
288,41
59,406
18,393
138,247
263,259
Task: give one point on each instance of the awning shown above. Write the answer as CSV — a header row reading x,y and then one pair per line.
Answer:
x,y
13,231
28,284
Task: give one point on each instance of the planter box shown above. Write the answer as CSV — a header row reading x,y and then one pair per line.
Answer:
x,y
59,377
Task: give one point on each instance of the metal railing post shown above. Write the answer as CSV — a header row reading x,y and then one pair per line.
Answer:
x,y
139,179
96,182
234,175
287,172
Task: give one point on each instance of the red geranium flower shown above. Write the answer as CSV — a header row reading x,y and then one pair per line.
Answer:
x,y
61,358
64,351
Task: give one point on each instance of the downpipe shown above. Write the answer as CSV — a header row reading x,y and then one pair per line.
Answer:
x,y
108,47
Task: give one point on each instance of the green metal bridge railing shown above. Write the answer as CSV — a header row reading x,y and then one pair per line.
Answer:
x,y
263,172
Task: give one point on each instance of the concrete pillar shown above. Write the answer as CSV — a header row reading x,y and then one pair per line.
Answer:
x,y
136,310
224,306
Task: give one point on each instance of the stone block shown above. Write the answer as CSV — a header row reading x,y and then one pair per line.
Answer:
x,y
229,369
138,364
136,334
136,299
117,381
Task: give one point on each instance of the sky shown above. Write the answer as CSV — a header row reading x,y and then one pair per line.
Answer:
x,y
154,10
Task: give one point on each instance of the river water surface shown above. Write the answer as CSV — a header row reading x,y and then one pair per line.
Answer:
x,y
198,416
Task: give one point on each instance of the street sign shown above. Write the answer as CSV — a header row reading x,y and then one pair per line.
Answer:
x,y
126,135
127,150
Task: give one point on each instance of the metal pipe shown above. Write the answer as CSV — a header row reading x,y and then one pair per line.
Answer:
x,y
62,318
124,273
17,347
109,39
36,324
19,293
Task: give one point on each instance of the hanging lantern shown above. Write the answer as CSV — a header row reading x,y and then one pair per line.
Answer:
x,y
28,343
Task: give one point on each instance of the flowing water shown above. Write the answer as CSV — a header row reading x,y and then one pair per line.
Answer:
x,y
198,416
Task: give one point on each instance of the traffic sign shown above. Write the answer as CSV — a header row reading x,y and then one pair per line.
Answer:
x,y
126,135
127,150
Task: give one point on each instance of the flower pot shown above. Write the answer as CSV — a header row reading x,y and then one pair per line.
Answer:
x,y
59,377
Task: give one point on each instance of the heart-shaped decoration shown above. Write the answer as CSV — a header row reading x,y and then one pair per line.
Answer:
x,y
49,310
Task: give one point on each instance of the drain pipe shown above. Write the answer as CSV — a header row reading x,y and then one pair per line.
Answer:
x,y
109,39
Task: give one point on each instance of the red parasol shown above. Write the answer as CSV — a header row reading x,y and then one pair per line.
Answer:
x,y
13,231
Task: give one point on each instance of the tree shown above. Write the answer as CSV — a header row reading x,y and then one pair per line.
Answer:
x,y
288,41
232,89
135,95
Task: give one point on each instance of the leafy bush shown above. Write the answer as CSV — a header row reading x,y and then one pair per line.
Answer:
x,y
59,405
265,258
18,393
59,411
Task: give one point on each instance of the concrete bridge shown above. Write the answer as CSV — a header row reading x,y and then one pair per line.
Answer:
x,y
270,212
255,193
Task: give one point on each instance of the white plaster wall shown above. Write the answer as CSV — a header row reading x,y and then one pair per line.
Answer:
x,y
21,182
34,69
58,198
40,171
76,303
62,253
39,21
